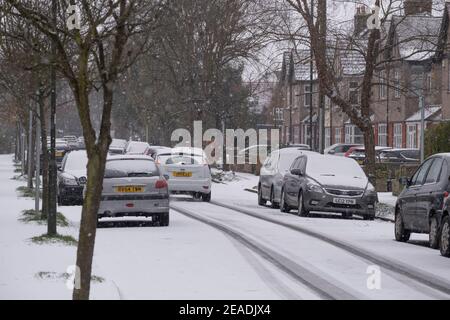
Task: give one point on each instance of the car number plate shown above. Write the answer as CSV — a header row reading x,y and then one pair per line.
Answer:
x,y
344,201
59,154
129,189
182,174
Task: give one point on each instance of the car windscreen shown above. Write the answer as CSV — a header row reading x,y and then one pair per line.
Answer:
x,y
324,166
123,168
412,154
76,161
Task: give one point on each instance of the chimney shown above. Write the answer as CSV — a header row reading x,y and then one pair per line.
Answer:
x,y
361,16
415,7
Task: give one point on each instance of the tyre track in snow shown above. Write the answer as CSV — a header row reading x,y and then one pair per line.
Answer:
x,y
321,286
396,267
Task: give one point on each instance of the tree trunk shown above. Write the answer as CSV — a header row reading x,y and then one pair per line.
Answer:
x,y
45,160
369,143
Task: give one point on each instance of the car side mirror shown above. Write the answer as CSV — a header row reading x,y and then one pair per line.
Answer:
x,y
166,176
404,181
297,172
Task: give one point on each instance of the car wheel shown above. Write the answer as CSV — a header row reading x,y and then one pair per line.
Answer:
x,y
434,233
283,205
302,212
445,237
347,215
206,197
261,201
401,234
273,204
164,219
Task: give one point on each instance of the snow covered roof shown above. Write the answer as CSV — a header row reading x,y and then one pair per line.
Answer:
x,y
306,119
352,62
431,113
417,36
302,71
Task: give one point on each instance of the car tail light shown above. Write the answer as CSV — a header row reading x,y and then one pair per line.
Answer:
x,y
161,184
129,205
446,194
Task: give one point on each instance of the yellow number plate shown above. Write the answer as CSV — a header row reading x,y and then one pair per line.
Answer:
x,y
182,174
129,189
59,154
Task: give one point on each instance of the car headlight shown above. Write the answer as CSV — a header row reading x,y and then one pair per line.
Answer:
x,y
70,182
314,188
369,190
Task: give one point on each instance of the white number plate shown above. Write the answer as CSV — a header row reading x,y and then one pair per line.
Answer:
x,y
344,201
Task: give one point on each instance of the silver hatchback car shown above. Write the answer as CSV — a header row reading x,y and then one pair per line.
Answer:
x,y
134,186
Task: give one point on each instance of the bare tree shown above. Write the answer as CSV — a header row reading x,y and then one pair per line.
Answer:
x,y
92,56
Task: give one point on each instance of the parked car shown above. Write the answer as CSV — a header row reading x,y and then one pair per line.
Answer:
x,y
187,172
299,146
117,146
421,207
445,229
339,149
153,151
72,141
325,183
62,147
72,178
137,147
81,144
272,174
359,153
400,155
134,186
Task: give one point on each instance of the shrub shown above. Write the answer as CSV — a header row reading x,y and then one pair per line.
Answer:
x,y
437,139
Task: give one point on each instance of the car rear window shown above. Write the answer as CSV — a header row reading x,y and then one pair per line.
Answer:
x,y
123,168
182,160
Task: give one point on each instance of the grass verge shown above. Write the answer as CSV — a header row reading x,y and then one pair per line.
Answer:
x,y
26,192
45,275
58,239
30,216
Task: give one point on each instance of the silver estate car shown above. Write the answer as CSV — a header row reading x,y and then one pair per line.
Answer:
x,y
134,186
272,174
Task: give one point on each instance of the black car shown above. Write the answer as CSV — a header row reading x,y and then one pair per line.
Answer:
x,y
72,178
421,207
445,230
326,183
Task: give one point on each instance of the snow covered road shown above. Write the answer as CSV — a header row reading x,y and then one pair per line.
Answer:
x,y
213,252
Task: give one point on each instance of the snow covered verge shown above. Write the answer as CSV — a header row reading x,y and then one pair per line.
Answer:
x,y
188,260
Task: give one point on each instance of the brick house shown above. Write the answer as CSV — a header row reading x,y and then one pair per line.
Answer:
x,y
418,50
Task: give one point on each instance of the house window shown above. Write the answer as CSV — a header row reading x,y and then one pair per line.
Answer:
x,y
278,114
397,90
429,83
353,93
327,137
307,89
382,84
306,136
338,135
353,135
382,135
411,137
398,135
327,103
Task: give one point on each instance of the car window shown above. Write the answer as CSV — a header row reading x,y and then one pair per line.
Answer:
x,y
410,154
435,171
419,177
76,161
124,168
183,160
295,164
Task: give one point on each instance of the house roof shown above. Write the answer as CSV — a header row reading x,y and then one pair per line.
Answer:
x,y
431,113
416,36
